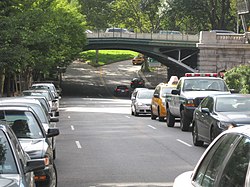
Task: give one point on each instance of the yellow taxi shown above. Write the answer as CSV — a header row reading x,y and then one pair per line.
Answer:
x,y
158,103
138,60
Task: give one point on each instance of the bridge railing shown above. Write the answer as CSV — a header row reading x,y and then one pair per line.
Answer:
x,y
147,36
207,37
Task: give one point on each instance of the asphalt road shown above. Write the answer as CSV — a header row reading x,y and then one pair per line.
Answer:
x,y
102,144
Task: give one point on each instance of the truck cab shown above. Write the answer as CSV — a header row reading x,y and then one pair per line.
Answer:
x,y
189,92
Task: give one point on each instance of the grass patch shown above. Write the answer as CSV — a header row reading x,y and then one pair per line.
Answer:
x,y
107,56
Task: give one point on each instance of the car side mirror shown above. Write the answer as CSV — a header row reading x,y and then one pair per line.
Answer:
x,y
175,92
52,132
34,165
54,100
54,119
205,110
234,91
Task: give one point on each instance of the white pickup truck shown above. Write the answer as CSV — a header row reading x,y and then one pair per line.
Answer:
x,y
189,92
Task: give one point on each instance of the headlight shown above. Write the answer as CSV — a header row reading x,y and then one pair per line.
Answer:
x,y
189,102
225,125
140,104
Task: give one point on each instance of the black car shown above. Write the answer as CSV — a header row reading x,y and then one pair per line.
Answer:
x,y
121,90
34,140
17,168
217,113
137,83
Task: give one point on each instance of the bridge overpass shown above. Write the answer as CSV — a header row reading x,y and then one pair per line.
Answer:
x,y
180,52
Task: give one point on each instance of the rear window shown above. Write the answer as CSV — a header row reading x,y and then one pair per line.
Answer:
x,y
23,123
204,85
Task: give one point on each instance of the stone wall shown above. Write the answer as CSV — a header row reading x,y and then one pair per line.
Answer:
x,y
219,52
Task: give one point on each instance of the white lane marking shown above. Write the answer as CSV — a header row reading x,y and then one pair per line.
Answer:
x,y
152,127
184,143
72,127
78,145
68,116
127,116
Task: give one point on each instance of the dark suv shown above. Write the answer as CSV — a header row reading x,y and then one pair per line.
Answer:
x,y
137,83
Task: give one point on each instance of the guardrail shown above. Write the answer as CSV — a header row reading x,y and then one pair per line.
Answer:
x,y
148,36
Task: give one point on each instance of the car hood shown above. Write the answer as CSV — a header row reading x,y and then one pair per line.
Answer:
x,y
201,94
10,180
183,180
36,148
238,118
145,101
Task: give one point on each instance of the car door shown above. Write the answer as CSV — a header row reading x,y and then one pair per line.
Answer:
x,y
155,100
206,119
175,100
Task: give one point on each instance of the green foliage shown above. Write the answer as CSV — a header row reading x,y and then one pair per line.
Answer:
x,y
107,56
238,78
40,34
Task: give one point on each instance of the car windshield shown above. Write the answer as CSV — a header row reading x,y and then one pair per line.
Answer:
x,y
232,104
204,85
23,123
7,161
166,90
146,94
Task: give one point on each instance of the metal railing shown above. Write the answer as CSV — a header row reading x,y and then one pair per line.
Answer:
x,y
147,36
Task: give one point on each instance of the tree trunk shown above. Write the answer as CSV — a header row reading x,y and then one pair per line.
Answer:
x,y
2,80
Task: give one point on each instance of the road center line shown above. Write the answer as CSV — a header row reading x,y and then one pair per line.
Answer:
x,y
184,143
72,127
152,127
127,116
78,145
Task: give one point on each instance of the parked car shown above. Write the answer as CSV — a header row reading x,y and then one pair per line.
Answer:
x,y
53,102
17,168
141,101
225,163
137,83
41,112
45,85
217,113
138,60
42,99
34,140
158,103
121,90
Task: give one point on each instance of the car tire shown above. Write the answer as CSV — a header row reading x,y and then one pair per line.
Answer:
x,y
132,113
212,134
160,118
54,154
170,119
153,117
54,182
196,140
136,113
184,122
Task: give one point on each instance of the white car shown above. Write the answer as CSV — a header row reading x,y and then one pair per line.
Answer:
x,y
225,163
141,101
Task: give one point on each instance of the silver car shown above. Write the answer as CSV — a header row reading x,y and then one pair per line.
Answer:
x,y
141,101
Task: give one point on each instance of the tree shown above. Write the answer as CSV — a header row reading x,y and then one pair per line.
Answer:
x,y
98,13
238,78
138,15
32,46
197,15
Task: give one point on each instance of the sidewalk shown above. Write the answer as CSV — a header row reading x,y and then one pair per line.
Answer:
x,y
153,78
